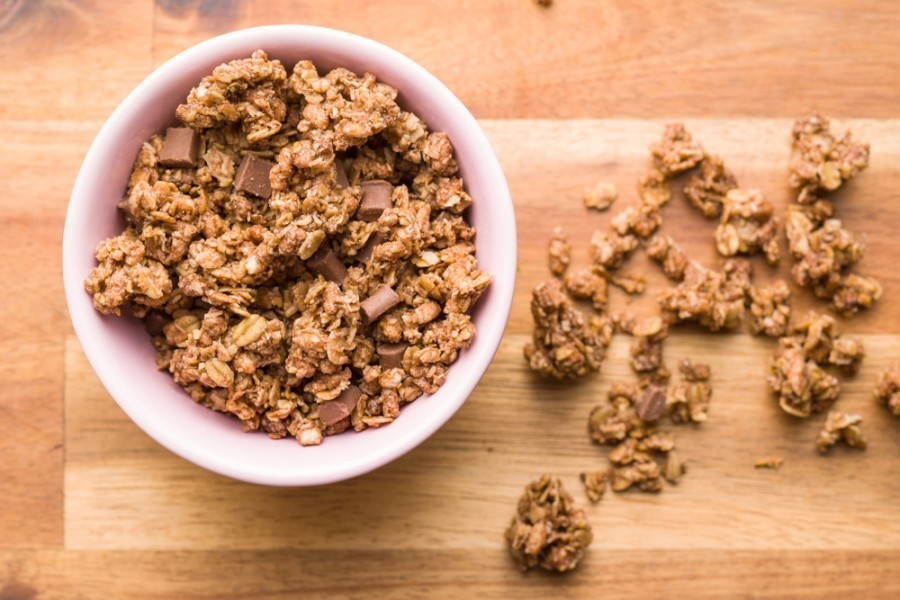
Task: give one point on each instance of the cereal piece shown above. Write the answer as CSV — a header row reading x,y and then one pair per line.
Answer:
x,y
249,91
327,264
381,301
664,250
601,196
340,408
769,462
652,404
253,176
674,468
747,225
610,249
841,427
770,309
676,151
565,344
821,162
653,189
376,198
712,298
707,190
888,389
548,530
800,385
595,483
390,356
559,252
587,284
692,371
180,148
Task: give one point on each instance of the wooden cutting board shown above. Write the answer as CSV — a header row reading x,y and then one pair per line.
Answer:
x,y
573,94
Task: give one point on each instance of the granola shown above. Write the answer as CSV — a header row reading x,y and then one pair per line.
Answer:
x,y
841,427
769,462
588,283
715,299
297,250
595,483
688,400
548,530
770,309
707,189
666,251
676,152
559,252
888,389
820,162
601,196
565,343
748,225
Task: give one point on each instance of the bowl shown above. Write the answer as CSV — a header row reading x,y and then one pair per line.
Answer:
x,y
119,349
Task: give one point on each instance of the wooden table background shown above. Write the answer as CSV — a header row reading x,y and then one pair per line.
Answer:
x,y
90,507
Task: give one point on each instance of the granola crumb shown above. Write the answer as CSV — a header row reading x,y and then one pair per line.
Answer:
x,y
565,343
769,462
672,257
688,401
841,427
707,190
548,531
770,309
820,162
715,299
600,196
888,389
588,283
676,151
559,252
748,225
595,483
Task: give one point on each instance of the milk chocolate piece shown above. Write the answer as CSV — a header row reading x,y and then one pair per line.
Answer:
x,y
652,404
180,148
383,300
390,356
365,253
341,174
327,264
253,176
376,198
341,407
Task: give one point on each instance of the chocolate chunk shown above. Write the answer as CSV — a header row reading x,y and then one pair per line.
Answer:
x,y
383,300
327,264
390,356
154,323
341,407
652,404
253,176
376,198
365,253
180,148
340,175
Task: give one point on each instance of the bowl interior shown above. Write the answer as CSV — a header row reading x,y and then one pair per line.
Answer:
x,y
119,349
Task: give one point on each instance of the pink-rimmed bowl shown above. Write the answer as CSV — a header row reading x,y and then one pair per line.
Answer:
x,y
118,348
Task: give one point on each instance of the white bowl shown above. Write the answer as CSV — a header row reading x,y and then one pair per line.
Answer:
x,y
118,348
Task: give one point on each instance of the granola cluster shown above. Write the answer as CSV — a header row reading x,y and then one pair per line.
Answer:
x,y
748,225
841,427
888,389
297,250
797,372
825,252
770,309
565,343
714,299
548,530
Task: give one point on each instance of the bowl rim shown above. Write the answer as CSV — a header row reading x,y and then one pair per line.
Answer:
x,y
78,304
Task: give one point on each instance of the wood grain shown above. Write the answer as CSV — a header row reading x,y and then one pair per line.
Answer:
x,y
93,508
588,58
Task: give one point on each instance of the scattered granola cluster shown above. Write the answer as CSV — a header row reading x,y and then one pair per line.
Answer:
x,y
714,299
770,309
548,530
841,427
825,252
888,389
601,196
797,375
297,250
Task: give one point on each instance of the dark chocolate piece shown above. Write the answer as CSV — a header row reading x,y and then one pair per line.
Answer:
x,y
340,408
154,323
390,356
340,174
652,404
253,176
327,264
376,198
365,253
383,300
180,148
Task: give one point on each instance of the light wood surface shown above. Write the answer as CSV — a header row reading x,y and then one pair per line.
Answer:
x,y
93,508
